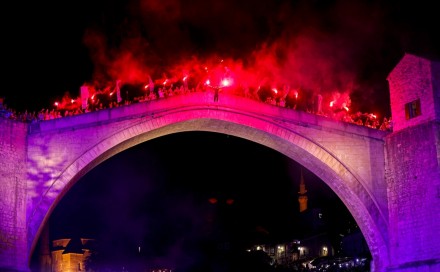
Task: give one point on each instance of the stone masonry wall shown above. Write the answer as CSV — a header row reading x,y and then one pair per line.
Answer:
x,y
413,166
412,79
13,247
413,176
436,87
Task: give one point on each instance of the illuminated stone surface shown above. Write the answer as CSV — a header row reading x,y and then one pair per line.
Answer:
x,y
390,182
413,167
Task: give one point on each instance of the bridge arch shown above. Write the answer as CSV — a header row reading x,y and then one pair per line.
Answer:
x,y
284,138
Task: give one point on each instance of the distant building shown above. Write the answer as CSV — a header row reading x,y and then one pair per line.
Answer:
x,y
286,253
302,199
280,253
317,245
70,255
312,240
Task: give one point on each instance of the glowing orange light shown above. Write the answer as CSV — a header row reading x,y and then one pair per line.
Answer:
x,y
56,104
72,101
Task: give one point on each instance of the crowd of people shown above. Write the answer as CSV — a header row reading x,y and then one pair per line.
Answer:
x,y
337,108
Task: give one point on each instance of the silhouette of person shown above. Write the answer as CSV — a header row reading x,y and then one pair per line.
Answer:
x,y
216,91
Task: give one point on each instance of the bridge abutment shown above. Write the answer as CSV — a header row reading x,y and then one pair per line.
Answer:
x,y
414,198
413,166
13,229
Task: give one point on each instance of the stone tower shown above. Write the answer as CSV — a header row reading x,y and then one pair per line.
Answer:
x,y
412,169
302,199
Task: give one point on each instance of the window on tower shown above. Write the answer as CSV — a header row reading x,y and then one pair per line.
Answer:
x,y
412,109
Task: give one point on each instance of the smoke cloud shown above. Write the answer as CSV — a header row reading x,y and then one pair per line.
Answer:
x,y
319,47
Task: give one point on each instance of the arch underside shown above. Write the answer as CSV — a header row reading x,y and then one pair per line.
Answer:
x,y
272,135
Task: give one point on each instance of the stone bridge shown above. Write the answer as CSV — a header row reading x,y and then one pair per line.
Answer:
x,y
40,162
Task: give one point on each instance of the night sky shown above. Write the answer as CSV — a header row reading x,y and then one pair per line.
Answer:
x,y
53,47
156,195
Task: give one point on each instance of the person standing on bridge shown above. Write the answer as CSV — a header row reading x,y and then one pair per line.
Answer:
x,y
216,91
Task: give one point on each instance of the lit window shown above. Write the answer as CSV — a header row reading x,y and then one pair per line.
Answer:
x,y
412,109
280,249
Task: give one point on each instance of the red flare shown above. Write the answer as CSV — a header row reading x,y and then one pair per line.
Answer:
x,y
225,82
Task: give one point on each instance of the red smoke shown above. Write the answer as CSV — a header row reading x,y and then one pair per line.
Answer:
x,y
273,44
